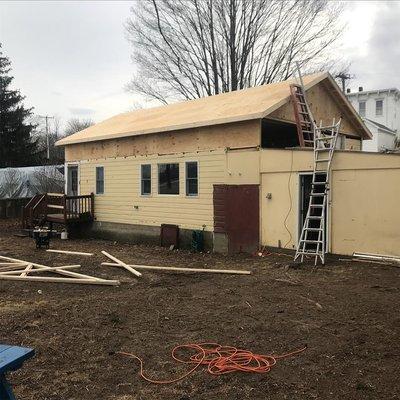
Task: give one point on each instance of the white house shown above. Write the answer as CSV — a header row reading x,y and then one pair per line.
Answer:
x,y
380,110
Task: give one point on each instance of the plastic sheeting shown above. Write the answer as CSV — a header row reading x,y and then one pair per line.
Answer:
x,y
18,183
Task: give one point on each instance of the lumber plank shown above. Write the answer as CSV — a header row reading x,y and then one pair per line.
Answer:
x,y
78,253
178,269
60,280
12,263
12,267
27,269
358,254
122,264
55,206
377,257
78,275
61,271
55,194
47,269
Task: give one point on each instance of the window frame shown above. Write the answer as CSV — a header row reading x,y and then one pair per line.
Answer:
x,y
376,108
158,179
104,180
187,194
365,108
141,180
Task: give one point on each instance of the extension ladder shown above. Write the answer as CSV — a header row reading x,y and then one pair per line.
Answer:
x,y
313,234
302,114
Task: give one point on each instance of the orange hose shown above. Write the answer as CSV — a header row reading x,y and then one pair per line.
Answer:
x,y
219,360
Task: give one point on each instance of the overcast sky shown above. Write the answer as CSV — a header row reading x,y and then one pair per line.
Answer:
x,y
71,59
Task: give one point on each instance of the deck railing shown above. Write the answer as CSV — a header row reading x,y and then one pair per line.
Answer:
x,y
58,207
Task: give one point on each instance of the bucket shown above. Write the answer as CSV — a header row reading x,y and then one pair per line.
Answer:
x,y
64,235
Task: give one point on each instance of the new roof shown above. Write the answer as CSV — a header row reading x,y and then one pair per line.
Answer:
x,y
240,105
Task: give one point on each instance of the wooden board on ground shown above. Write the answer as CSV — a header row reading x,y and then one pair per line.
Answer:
x,y
20,270
178,269
122,264
78,253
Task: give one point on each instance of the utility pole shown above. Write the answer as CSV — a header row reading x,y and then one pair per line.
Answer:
x,y
46,117
343,76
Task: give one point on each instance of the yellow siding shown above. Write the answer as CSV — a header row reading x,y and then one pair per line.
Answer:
x,y
122,191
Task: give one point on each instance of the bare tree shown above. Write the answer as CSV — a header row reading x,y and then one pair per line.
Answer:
x,y
48,179
10,184
75,125
194,48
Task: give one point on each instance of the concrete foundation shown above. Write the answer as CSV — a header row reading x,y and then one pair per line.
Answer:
x,y
131,233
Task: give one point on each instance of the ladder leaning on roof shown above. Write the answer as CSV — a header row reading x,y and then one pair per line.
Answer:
x,y
302,115
312,240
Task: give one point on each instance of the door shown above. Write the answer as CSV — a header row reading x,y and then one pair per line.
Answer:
x,y
237,214
304,201
304,198
72,180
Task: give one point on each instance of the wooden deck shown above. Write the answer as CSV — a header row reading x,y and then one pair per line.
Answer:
x,y
58,208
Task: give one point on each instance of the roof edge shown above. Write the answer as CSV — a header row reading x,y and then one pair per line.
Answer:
x,y
172,128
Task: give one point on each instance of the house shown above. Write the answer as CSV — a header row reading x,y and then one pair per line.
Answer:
x,y
383,138
231,165
380,110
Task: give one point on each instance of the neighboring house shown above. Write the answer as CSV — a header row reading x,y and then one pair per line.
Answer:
x,y
383,138
230,165
380,110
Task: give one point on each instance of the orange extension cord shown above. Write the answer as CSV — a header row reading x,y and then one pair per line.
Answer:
x,y
219,360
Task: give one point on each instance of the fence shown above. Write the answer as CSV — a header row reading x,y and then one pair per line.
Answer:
x,y
12,208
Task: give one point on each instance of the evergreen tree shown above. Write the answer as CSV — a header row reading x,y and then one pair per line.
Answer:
x,y
16,145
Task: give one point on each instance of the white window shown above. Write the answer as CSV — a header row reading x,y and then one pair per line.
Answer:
x,y
361,108
145,179
192,180
168,178
99,180
379,107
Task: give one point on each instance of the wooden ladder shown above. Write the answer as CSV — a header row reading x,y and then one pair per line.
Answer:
x,y
302,114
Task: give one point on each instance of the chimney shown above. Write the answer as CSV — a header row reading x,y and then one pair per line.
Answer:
x,y
348,90
360,89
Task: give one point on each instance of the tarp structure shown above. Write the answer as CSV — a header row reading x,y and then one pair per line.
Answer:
x,y
25,182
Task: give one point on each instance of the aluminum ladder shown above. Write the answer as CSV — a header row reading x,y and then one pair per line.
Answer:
x,y
312,240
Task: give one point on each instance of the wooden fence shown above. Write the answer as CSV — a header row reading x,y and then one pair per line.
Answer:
x,y
12,208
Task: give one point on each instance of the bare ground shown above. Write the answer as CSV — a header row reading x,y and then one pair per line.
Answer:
x,y
347,313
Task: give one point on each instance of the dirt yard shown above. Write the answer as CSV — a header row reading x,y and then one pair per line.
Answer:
x,y
347,313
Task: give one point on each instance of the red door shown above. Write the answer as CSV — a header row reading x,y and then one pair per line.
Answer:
x,y
237,214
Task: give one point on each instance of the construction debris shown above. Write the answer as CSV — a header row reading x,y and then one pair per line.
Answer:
x,y
20,270
120,263
177,269
377,257
78,253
